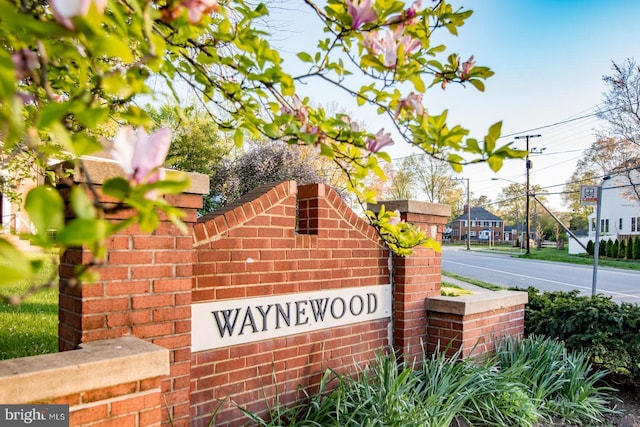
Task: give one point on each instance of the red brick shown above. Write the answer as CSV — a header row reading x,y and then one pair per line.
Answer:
x,y
150,417
172,313
130,257
128,318
88,414
153,300
136,402
171,285
153,330
177,341
151,272
128,287
174,257
154,242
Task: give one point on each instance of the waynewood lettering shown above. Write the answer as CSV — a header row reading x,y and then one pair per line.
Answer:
x,y
239,321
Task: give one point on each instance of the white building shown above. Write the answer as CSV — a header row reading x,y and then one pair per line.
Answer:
x,y
619,211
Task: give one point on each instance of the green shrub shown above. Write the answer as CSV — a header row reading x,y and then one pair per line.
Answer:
x,y
602,248
590,248
636,247
609,248
615,248
622,250
527,381
607,331
630,248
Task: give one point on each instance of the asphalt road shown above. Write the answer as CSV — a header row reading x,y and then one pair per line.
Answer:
x,y
504,270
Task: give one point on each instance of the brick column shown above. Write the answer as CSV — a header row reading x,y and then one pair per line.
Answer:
x,y
143,290
416,277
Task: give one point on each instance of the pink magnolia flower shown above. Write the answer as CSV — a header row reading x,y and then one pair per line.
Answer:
x,y
413,102
390,44
197,8
371,42
380,141
395,220
466,67
141,155
412,12
407,16
65,10
361,12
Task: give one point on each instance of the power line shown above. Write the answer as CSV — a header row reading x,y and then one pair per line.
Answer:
x,y
558,123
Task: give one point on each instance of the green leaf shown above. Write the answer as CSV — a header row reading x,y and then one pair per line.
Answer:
x,y
90,117
14,263
473,146
326,151
52,112
238,137
83,231
304,56
84,144
45,208
118,188
418,84
112,46
478,84
81,204
492,137
166,186
495,163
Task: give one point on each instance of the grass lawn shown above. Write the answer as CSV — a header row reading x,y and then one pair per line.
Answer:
x,y
451,290
550,254
30,328
480,283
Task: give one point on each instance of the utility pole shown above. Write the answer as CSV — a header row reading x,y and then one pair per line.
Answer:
x,y
528,166
596,246
468,212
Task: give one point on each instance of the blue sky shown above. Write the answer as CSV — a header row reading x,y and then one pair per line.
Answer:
x,y
548,57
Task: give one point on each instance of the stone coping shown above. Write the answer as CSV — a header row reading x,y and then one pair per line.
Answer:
x,y
412,206
465,305
100,169
94,366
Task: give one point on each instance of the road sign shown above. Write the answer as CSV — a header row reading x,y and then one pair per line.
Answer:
x,y
589,195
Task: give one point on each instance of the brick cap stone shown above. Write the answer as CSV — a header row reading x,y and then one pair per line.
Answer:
x,y
100,169
412,206
95,365
476,303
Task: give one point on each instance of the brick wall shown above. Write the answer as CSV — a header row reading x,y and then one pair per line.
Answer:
x,y
107,383
143,290
278,240
252,249
416,277
473,324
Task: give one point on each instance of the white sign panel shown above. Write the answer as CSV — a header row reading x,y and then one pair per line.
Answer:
x,y
239,321
588,194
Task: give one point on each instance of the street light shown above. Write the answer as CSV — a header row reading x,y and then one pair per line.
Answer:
x,y
468,212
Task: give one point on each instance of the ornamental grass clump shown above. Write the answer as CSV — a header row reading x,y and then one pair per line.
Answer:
x,y
525,383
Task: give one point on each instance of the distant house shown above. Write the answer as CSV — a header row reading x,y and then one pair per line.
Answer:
x,y
619,209
515,231
484,226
